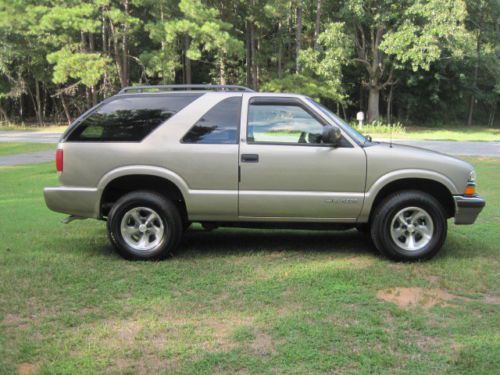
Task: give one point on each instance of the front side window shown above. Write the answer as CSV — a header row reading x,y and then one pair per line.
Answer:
x,y
129,119
219,125
287,123
337,120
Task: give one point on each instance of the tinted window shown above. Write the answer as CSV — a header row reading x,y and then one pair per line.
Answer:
x,y
282,123
129,119
219,125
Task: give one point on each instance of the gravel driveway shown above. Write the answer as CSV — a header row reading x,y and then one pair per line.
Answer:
x,y
465,148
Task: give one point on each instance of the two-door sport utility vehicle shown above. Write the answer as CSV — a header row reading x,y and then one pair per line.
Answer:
x,y
153,159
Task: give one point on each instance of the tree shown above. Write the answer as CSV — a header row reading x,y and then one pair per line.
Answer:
x,y
201,30
388,32
321,75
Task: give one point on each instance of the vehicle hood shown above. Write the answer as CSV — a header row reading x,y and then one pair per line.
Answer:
x,y
384,158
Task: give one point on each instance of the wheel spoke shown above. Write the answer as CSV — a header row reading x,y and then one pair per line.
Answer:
x,y
136,216
410,242
402,219
131,229
152,216
424,230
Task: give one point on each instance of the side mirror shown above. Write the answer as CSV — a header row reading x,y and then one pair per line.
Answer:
x,y
331,135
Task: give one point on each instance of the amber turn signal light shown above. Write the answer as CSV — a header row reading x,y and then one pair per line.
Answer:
x,y
470,190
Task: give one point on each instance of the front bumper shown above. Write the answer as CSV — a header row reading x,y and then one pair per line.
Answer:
x,y
75,201
467,208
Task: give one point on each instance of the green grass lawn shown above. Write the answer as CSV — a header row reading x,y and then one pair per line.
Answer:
x,y
446,134
10,148
241,301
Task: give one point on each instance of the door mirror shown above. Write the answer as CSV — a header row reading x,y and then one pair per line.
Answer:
x,y
331,135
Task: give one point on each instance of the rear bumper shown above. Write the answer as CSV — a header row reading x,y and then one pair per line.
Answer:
x,y
73,200
467,208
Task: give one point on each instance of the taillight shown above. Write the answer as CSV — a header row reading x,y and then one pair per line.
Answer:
x,y
59,160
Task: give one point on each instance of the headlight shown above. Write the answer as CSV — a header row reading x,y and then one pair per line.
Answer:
x,y
472,177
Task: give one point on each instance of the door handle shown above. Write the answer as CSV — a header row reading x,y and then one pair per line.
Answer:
x,y
249,158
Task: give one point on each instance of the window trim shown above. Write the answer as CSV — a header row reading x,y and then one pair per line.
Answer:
x,y
74,125
238,126
277,100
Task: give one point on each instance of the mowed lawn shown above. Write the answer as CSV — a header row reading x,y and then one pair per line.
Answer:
x,y
9,148
242,301
473,133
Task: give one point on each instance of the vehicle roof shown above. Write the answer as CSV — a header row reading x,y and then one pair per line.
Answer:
x,y
205,92
182,89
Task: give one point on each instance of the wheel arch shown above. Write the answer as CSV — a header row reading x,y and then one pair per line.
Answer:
x,y
127,179
408,179
432,187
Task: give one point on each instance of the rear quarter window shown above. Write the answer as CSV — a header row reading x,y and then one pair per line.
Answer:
x,y
220,125
129,119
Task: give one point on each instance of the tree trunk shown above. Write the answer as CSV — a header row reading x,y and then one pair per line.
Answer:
x,y
4,115
491,119
125,63
38,100
222,70
116,53
187,61
389,105
253,54
93,96
474,79
248,55
104,36
373,104
317,23
21,111
280,67
66,110
298,35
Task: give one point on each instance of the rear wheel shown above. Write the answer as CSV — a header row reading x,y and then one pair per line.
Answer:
x,y
409,225
144,225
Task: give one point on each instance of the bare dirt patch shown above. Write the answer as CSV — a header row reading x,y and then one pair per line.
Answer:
x,y
27,368
263,344
492,300
416,297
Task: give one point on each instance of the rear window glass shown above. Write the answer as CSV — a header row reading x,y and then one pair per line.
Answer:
x,y
219,125
129,119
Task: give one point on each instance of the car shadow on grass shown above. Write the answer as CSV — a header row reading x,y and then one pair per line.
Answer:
x,y
231,241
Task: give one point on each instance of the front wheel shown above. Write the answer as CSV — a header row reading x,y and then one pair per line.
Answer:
x,y
144,225
409,226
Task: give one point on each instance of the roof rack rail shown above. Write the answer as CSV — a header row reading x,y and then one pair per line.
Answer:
x,y
201,87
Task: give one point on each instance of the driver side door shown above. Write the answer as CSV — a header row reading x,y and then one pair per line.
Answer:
x,y
287,174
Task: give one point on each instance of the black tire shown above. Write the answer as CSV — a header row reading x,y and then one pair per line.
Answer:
x,y
165,210
383,223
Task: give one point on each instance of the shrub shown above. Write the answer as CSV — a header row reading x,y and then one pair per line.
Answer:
x,y
379,127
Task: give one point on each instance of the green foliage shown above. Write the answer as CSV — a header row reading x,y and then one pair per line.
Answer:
x,y
423,61
302,84
428,28
325,65
87,68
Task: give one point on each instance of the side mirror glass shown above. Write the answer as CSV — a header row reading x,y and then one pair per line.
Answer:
x,y
331,135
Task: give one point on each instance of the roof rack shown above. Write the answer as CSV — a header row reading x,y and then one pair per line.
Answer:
x,y
201,87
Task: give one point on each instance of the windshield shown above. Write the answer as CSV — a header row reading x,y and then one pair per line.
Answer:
x,y
358,137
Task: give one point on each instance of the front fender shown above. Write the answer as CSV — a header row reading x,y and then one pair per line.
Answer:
x,y
401,174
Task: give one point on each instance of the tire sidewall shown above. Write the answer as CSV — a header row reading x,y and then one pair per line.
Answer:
x,y
154,202
411,199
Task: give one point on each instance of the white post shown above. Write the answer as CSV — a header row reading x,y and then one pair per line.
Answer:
x,y
360,116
